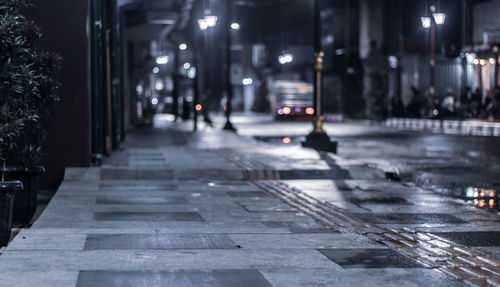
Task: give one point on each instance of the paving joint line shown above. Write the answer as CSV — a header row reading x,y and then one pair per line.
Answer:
x,y
461,263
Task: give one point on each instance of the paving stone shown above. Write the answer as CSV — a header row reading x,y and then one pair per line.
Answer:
x,y
115,173
408,218
269,205
157,241
382,200
297,228
214,278
302,241
239,194
142,186
141,200
154,173
147,216
314,174
369,258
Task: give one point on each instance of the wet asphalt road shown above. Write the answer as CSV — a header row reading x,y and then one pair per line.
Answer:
x,y
448,164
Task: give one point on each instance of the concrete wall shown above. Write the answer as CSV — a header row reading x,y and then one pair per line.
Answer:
x,y
65,30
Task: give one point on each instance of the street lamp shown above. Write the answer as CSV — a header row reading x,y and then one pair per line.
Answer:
x,y
285,58
235,26
183,46
426,22
247,81
162,60
318,139
208,21
437,19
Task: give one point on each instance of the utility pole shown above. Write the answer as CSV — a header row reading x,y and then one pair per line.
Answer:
x,y
318,139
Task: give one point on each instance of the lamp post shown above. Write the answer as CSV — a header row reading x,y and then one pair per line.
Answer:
x,y
496,51
431,23
229,87
175,92
205,23
318,139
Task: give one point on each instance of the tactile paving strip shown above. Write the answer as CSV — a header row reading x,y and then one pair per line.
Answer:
x,y
459,262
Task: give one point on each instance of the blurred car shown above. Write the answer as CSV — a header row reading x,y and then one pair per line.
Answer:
x,y
292,100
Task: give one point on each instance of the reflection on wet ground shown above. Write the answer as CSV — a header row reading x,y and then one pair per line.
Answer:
x,y
482,198
280,140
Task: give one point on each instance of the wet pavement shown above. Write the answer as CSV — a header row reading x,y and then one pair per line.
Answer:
x,y
175,208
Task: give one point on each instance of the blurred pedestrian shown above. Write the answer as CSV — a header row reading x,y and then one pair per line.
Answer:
x,y
448,107
497,100
433,103
465,98
476,102
491,105
413,107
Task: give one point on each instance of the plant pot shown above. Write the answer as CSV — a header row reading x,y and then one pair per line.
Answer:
x,y
8,190
25,201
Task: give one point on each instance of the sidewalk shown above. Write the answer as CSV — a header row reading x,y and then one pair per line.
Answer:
x,y
215,209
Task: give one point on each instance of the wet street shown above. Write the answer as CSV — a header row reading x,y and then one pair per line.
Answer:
x,y
448,164
174,208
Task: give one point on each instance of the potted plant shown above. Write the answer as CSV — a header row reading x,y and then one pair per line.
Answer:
x,y
9,133
8,190
27,94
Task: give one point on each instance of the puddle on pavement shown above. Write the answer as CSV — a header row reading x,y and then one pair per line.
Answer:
x,y
482,197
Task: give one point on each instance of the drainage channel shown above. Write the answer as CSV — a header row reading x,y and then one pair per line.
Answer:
x,y
459,262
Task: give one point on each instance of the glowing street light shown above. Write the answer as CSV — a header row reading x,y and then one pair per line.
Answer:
x,y
162,60
183,46
191,73
209,21
156,70
426,22
247,81
159,85
439,18
285,58
203,24
235,26
186,66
